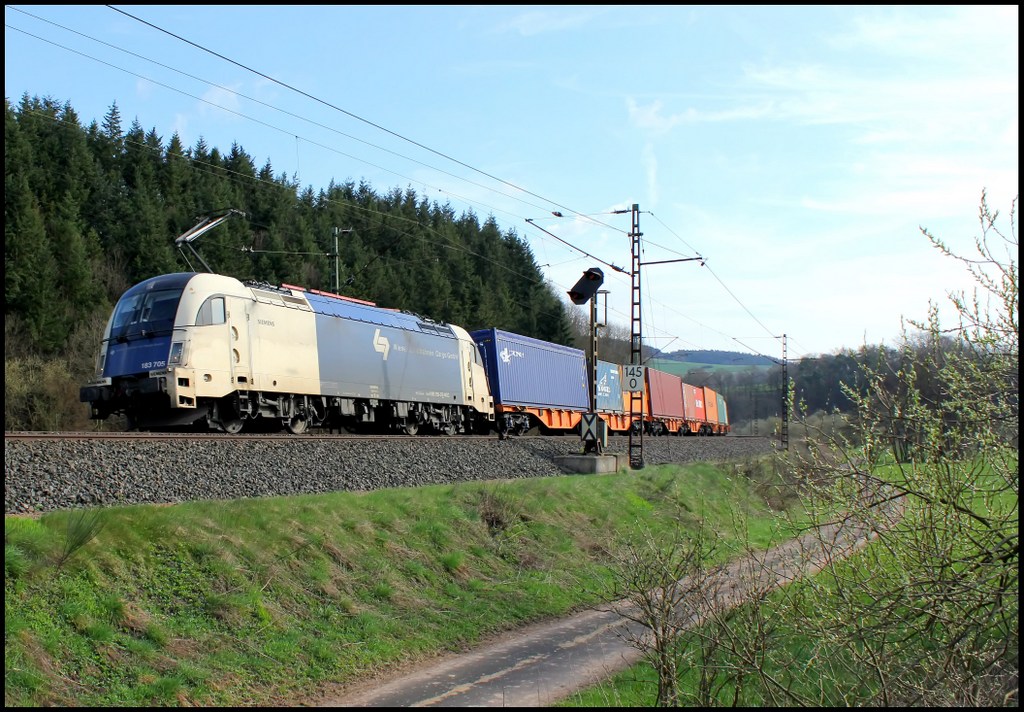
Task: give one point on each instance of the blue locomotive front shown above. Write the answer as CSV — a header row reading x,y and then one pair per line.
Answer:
x,y
136,350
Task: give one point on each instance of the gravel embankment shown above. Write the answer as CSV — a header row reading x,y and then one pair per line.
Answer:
x,y
41,476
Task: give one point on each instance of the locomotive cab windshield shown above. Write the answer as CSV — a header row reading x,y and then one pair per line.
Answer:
x,y
145,314
138,337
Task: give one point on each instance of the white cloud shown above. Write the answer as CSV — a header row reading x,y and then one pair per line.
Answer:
x,y
651,117
959,36
537,22
650,162
219,102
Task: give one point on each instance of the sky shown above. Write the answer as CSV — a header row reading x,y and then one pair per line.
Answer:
x,y
797,151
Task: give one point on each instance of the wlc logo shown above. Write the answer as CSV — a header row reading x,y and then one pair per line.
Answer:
x,y
506,354
381,344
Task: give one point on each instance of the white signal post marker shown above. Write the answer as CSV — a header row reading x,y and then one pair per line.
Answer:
x,y
633,378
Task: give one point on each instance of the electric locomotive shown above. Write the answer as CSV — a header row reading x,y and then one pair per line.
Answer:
x,y
201,349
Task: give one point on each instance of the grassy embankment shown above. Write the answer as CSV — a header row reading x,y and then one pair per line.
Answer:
x,y
254,601
774,653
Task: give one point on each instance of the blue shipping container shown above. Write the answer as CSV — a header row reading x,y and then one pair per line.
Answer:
x,y
609,387
530,372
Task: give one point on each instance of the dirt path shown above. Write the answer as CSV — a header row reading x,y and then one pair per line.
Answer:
x,y
543,663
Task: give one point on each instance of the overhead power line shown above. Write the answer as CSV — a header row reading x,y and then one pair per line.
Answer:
x,y
581,251
588,218
261,103
387,131
344,111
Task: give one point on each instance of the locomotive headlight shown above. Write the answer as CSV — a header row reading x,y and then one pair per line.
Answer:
x,y
101,361
177,350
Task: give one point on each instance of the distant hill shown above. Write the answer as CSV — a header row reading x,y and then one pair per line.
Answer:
x,y
717,358
699,364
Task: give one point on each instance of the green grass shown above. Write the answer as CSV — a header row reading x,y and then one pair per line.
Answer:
x,y
791,658
682,368
250,602
814,668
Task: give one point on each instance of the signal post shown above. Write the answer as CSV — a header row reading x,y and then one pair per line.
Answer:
x,y
593,430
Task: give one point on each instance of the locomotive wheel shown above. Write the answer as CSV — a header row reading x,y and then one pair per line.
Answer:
x,y
225,415
448,429
297,425
411,427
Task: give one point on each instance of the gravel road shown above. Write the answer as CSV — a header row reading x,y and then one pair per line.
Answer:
x,y
542,664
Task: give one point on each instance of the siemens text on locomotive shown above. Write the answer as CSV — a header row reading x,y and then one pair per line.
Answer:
x,y
206,350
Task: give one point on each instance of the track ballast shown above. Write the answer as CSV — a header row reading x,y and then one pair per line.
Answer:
x,y
53,471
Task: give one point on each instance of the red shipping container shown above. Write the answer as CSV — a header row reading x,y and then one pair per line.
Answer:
x,y
665,393
693,403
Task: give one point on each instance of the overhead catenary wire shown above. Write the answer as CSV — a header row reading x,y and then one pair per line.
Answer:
x,y
278,128
346,112
263,123
236,176
400,136
729,292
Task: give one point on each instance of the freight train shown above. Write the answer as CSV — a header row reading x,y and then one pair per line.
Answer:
x,y
209,351
539,384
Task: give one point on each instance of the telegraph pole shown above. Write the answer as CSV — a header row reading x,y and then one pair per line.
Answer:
x,y
784,432
337,276
337,270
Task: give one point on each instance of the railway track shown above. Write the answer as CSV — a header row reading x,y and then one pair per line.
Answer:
x,y
311,436
241,437
47,471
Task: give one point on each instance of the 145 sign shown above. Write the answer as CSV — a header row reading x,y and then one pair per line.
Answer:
x,y
632,378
